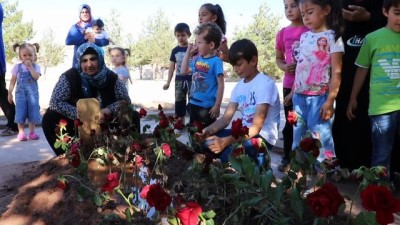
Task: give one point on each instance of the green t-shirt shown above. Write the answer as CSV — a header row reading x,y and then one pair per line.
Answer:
x,y
381,53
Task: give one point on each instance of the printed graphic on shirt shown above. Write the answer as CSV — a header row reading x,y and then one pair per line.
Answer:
x,y
199,83
392,69
179,58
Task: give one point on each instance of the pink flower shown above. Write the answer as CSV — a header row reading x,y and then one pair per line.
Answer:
x,y
166,149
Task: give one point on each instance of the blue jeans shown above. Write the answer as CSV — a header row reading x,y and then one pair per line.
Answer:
x,y
249,149
308,108
385,130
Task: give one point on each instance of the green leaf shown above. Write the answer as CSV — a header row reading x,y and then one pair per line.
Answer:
x,y
365,218
97,199
209,214
131,195
292,175
235,164
128,215
210,222
253,201
296,203
173,221
300,157
284,221
57,144
266,180
278,193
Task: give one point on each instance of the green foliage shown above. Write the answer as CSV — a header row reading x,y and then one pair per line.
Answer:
x,y
50,53
262,31
14,30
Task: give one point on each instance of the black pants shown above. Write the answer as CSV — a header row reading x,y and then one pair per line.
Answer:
x,y
200,114
287,131
8,109
52,118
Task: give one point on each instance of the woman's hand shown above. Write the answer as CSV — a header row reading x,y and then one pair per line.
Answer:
x,y
356,14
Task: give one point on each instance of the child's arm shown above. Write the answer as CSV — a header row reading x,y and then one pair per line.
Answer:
x,y
223,51
215,110
111,41
359,80
327,109
11,89
185,68
35,75
170,74
281,63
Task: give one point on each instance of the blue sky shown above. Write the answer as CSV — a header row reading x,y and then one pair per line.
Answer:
x,y
60,15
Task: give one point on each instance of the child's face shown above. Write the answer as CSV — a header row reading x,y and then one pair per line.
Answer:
x,y
97,29
182,38
292,10
27,54
205,16
314,16
244,68
204,48
393,16
117,58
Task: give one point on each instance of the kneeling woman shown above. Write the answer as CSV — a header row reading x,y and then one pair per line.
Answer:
x,y
89,78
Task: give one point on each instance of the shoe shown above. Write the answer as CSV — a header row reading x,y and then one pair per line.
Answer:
x,y
33,136
22,137
8,132
284,166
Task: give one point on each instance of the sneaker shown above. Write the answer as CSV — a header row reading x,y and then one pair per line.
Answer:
x,y
284,166
22,137
8,132
33,136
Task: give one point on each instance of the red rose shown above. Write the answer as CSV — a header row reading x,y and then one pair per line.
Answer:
x,y
238,129
75,157
238,151
77,123
164,123
310,145
157,197
198,125
66,139
144,191
112,182
292,118
62,184
179,125
166,149
142,113
135,146
171,119
381,200
189,215
162,115
63,124
258,144
325,202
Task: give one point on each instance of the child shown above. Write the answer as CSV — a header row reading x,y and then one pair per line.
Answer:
x,y
381,58
318,72
207,72
118,60
257,98
287,44
98,29
26,74
213,13
182,83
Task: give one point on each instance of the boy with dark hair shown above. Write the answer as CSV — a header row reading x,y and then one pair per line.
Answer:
x,y
98,29
182,83
257,98
382,59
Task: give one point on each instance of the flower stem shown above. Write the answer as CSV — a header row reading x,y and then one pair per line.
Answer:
x,y
123,196
83,185
351,204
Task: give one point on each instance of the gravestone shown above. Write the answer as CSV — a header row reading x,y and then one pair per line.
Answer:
x,y
88,112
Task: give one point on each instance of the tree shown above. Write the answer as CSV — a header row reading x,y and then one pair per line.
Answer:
x,y
113,27
50,53
262,32
155,43
14,30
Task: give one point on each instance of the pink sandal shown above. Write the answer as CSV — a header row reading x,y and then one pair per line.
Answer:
x,y
33,136
22,137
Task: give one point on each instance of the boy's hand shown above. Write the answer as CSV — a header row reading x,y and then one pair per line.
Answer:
x,y
10,98
288,99
327,110
166,86
291,67
193,49
215,144
350,108
214,111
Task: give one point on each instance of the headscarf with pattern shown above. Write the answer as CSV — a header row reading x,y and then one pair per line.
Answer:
x,y
82,25
91,82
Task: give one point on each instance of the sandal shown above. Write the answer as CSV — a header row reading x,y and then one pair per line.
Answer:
x,y
33,136
22,137
8,132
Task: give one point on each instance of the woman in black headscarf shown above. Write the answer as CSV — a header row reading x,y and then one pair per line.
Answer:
x,y
90,78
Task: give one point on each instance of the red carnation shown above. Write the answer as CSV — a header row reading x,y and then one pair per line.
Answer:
x,y
238,151
179,125
258,144
238,129
142,113
166,148
77,123
198,125
135,146
325,201
189,214
63,124
310,145
381,200
164,123
112,182
292,118
62,184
